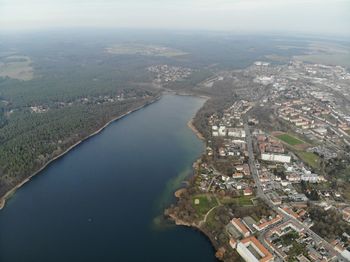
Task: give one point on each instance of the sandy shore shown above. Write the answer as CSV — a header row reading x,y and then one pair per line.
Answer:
x,y
9,193
178,192
194,129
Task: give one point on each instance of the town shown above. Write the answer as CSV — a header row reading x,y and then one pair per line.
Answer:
x,y
265,188
166,73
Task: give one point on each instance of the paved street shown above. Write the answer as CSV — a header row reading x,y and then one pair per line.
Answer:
x,y
260,193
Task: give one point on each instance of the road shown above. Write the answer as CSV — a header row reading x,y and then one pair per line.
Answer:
x,y
260,193
253,170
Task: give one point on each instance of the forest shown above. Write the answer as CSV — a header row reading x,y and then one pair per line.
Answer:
x,y
73,93
73,86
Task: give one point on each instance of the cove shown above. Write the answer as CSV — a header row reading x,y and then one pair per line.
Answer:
x,y
99,201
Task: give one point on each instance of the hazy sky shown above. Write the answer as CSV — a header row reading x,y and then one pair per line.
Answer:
x,y
306,16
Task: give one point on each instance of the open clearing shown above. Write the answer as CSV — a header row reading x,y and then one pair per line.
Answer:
x,y
310,158
146,50
298,147
239,201
326,53
203,203
289,139
16,67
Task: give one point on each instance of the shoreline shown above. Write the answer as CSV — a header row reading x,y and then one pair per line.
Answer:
x,y
177,193
195,130
10,193
193,226
190,122
182,93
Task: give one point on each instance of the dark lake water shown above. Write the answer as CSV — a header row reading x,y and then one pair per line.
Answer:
x,y
99,202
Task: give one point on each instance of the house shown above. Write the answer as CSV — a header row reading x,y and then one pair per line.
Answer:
x,y
276,158
264,178
239,168
264,224
249,222
293,177
237,175
222,131
308,177
298,197
346,214
248,191
236,132
233,243
246,169
275,198
236,222
222,152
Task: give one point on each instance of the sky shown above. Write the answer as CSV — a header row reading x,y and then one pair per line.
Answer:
x,y
328,17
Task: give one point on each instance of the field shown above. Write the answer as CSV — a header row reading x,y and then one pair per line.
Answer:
x,y
203,203
146,50
289,139
326,53
240,201
298,147
310,158
16,67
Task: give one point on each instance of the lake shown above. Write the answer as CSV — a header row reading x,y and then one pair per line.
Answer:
x,y
99,202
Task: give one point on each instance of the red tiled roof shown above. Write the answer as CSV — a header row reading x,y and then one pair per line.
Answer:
x,y
240,225
262,249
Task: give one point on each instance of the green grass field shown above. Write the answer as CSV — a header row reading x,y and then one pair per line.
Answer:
x,y
240,201
245,201
291,140
205,203
310,158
